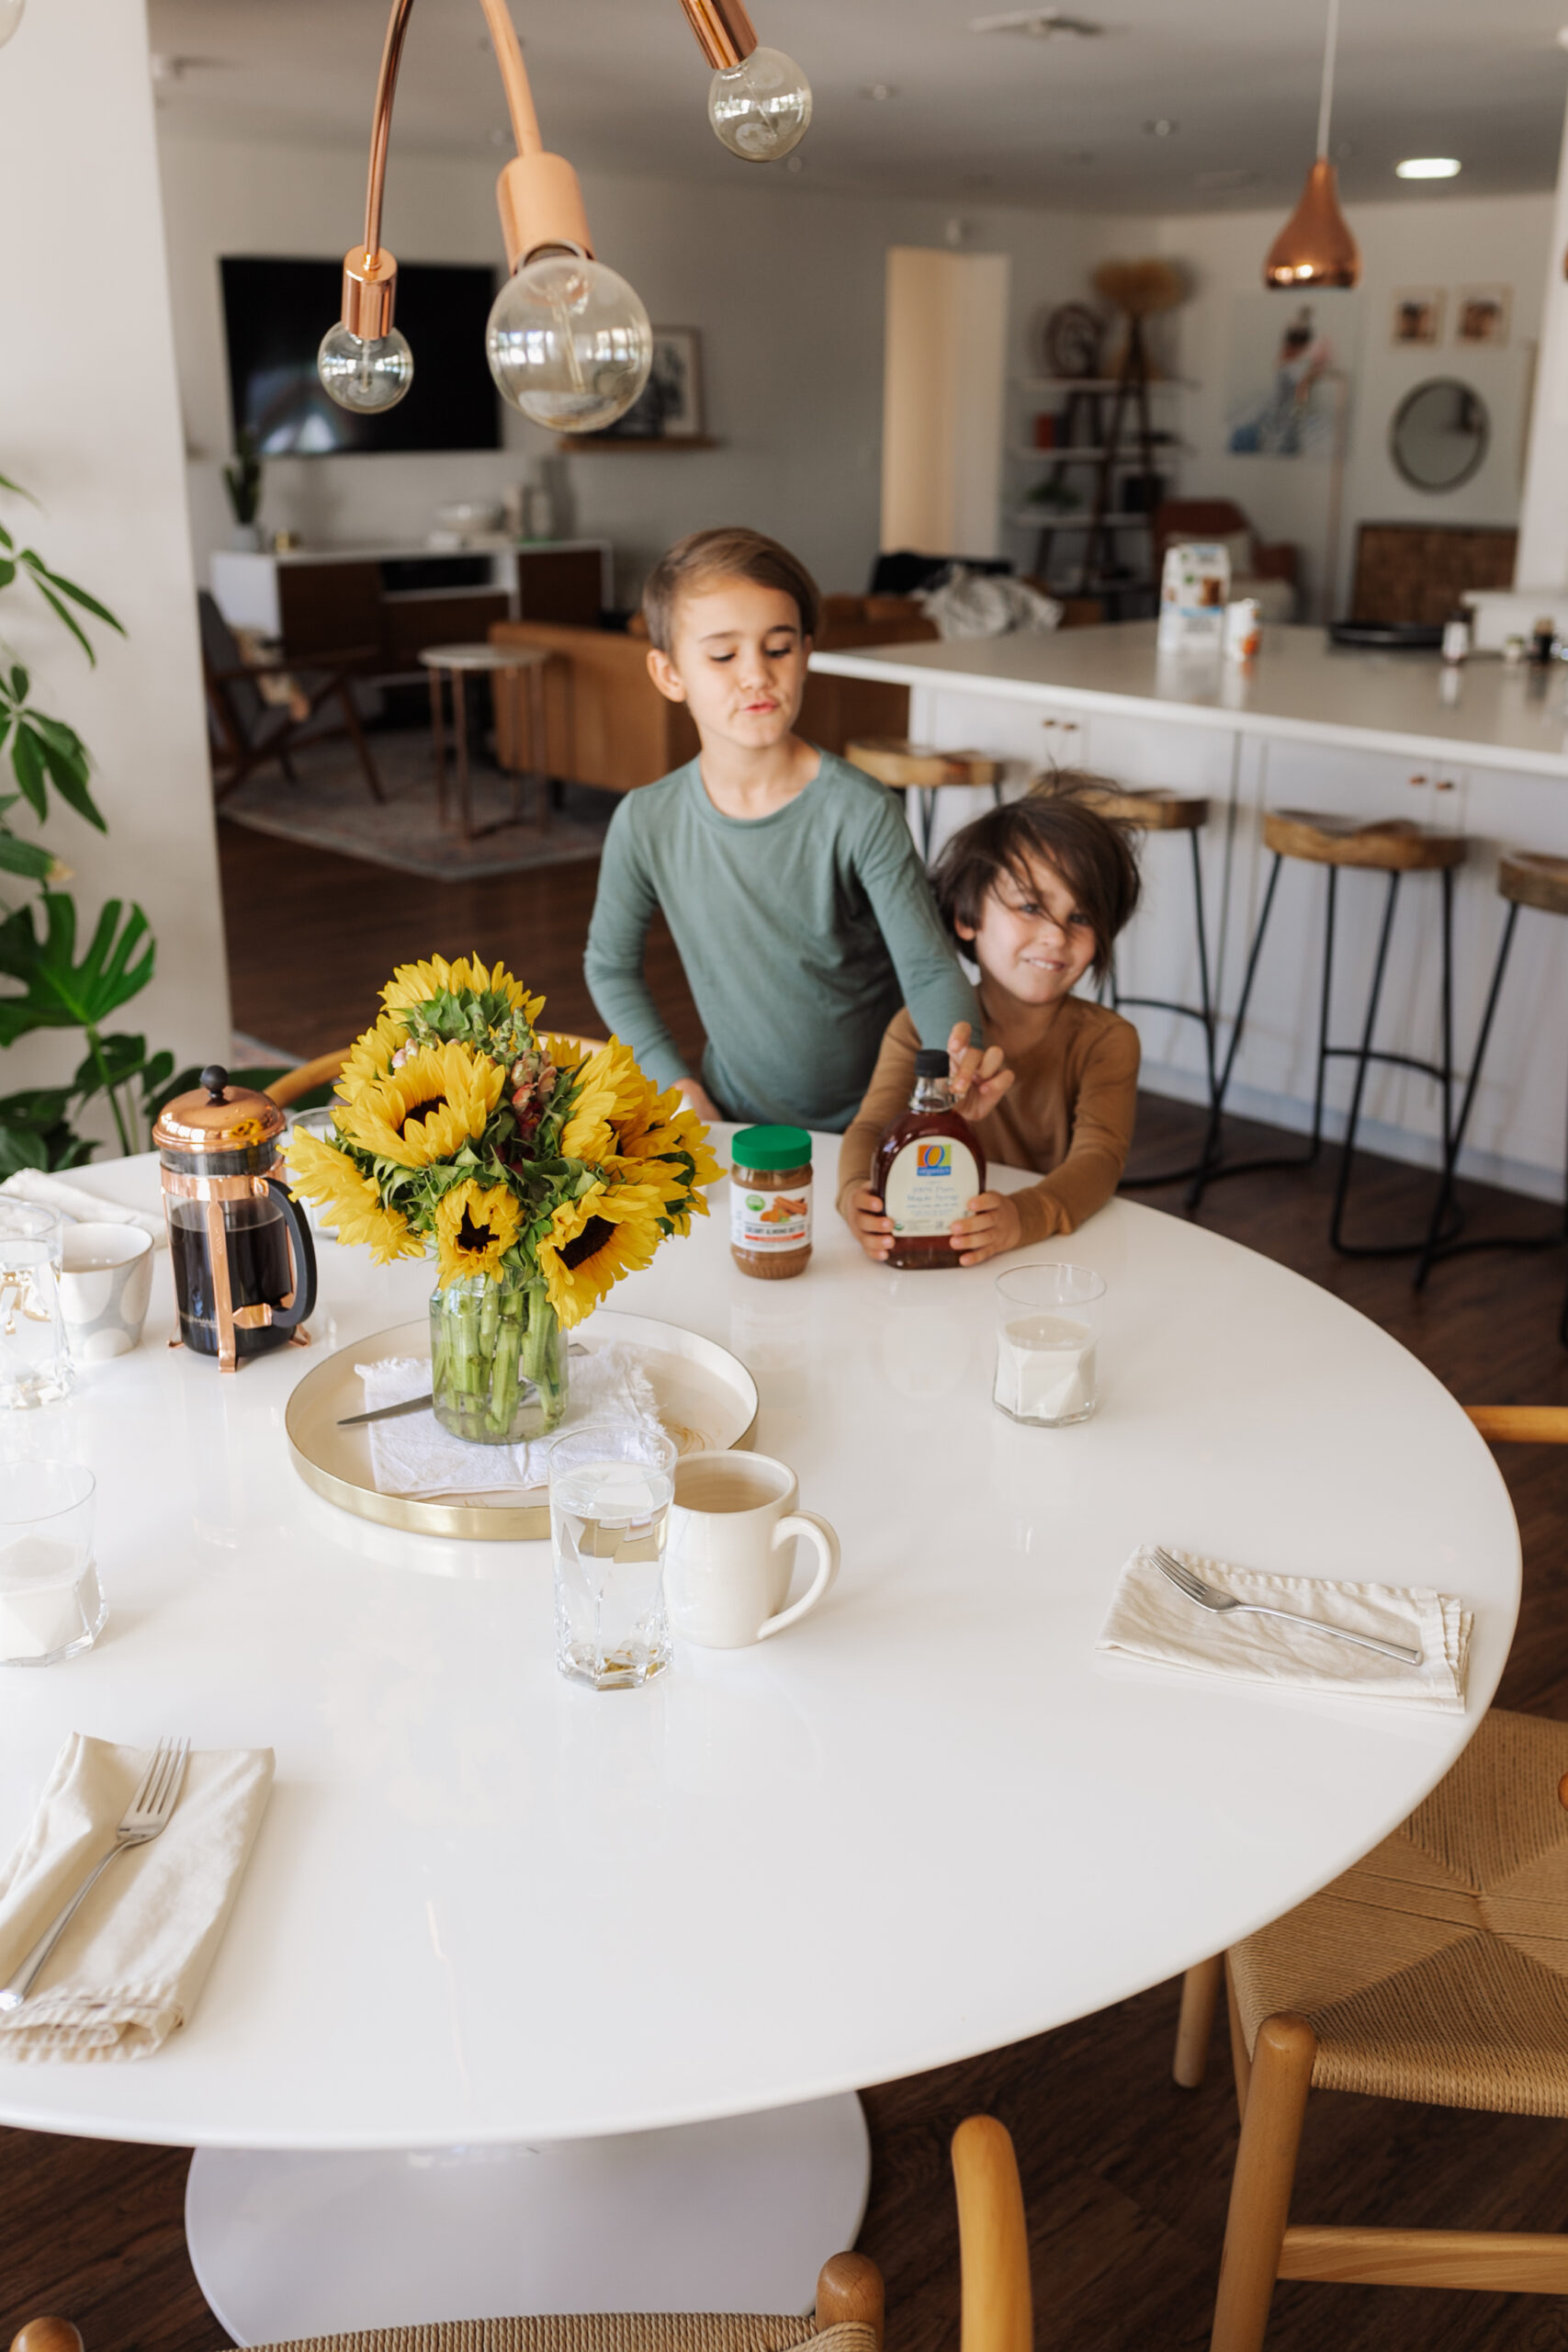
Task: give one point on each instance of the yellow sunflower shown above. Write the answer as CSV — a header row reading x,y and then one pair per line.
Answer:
x,y
615,1068
414,984
425,1111
670,1125
593,1242
476,1225
588,1134
370,1057
353,1204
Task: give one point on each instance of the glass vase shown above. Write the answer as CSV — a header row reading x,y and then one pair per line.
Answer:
x,y
498,1361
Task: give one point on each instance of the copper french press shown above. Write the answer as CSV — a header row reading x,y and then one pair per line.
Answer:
x,y
244,1264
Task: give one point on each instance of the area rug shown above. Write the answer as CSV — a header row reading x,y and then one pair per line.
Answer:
x,y
331,809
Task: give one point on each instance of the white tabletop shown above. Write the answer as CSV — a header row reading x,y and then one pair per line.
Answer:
x,y
1300,686
487,1904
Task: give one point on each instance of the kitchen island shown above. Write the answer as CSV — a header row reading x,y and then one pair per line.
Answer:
x,y
1479,750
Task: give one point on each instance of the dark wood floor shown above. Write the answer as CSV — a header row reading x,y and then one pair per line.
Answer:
x,y
1126,2176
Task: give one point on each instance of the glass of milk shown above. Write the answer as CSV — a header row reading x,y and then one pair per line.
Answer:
x,y
51,1604
1047,1330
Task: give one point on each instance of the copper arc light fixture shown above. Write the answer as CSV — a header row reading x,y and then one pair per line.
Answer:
x,y
1316,247
568,342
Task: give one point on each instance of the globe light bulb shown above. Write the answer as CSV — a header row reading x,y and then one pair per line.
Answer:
x,y
568,342
762,107
10,18
365,377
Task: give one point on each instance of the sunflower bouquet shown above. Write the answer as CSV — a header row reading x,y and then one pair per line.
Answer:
x,y
535,1171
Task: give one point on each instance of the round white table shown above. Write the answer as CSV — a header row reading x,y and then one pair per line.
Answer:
x,y
490,1911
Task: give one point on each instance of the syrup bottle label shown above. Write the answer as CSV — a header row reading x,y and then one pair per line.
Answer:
x,y
932,1180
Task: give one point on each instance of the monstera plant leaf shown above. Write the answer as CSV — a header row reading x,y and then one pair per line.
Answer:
x,y
36,1131
43,751
58,992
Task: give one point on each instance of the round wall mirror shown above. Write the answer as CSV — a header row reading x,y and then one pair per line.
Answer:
x,y
1439,433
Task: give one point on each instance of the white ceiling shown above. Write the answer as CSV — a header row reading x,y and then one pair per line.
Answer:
x,y
997,118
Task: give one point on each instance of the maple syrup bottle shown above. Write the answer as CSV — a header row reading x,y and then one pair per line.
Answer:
x,y
927,1169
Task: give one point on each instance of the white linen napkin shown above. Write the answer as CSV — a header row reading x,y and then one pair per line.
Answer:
x,y
1150,1618
130,1966
46,1192
415,1455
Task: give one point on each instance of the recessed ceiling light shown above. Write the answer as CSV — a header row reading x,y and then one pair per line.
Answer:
x,y
1161,127
1040,24
878,90
1428,167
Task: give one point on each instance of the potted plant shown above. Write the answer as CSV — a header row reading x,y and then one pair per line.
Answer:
x,y
243,481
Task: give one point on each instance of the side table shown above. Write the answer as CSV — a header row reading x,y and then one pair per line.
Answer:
x,y
526,665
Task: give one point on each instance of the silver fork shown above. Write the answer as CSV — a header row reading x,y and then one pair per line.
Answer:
x,y
1208,1596
146,1816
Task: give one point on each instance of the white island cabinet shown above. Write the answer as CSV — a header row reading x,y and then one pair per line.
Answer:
x,y
1480,750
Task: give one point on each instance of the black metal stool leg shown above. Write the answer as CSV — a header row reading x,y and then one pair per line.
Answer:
x,y
1203,1012
1209,1167
1348,1149
1205,995
1454,1142
928,821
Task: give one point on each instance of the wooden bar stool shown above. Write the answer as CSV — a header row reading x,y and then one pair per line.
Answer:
x,y
904,766
1157,810
1393,847
1525,878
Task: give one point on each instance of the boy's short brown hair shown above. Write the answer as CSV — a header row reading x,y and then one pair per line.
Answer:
x,y
1058,822
732,553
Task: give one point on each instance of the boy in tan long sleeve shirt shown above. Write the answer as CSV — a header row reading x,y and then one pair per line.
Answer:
x,y
1037,893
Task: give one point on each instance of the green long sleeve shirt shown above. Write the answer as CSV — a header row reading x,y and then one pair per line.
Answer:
x,y
801,934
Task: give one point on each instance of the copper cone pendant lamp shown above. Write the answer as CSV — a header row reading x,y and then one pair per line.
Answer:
x,y
1316,247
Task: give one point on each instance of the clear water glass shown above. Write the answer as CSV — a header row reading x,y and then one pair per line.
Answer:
x,y
51,1606
611,1486
35,1358
1047,1344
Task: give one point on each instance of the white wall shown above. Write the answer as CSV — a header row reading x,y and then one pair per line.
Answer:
x,y
1437,239
91,426
1544,528
785,287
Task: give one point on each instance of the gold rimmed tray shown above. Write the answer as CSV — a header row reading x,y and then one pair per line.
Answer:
x,y
707,1398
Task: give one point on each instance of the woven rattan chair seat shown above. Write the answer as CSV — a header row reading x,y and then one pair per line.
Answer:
x,y
1438,1968
601,2331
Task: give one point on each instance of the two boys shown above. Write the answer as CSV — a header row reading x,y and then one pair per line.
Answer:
x,y
805,921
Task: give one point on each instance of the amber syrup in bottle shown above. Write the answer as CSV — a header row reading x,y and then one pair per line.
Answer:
x,y
927,1169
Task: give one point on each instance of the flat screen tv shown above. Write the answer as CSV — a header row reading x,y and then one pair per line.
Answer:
x,y
275,313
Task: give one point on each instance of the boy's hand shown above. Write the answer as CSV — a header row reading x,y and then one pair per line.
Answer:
x,y
872,1229
697,1094
979,1078
990,1225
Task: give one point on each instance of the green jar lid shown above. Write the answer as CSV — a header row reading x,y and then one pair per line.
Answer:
x,y
772,1148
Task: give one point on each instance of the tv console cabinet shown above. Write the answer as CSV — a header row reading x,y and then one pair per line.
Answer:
x,y
399,599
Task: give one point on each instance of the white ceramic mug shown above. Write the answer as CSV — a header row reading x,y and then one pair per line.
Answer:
x,y
105,1282
732,1527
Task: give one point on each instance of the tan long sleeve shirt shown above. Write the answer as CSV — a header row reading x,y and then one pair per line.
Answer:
x,y
1068,1112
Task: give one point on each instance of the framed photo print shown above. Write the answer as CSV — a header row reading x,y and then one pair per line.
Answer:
x,y
671,405
1481,315
1417,315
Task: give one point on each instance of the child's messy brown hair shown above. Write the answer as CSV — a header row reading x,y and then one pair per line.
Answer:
x,y
1058,822
732,553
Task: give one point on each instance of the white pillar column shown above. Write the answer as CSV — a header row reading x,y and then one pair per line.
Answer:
x,y
1543,560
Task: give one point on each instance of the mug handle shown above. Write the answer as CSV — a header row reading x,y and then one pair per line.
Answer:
x,y
816,1532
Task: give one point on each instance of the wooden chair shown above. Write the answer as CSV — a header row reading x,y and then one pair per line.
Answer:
x,y
326,1070
998,2313
1435,1970
248,733
904,766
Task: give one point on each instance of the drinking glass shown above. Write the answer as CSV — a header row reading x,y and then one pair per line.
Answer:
x,y
35,1360
1047,1330
51,1602
610,1489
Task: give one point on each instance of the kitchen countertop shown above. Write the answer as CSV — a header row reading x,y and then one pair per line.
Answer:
x,y
1300,686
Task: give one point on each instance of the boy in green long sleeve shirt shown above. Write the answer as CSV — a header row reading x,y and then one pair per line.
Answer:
x,y
788,878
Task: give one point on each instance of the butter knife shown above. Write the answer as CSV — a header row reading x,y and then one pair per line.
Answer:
x,y
388,1412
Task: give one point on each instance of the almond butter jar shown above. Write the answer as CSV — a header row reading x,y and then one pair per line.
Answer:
x,y
770,1202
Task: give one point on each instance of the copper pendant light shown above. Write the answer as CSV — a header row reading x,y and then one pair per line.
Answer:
x,y
1316,247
